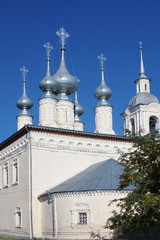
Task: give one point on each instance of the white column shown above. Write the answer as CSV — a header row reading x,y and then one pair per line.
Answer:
x,y
65,114
47,112
103,119
127,123
23,120
137,120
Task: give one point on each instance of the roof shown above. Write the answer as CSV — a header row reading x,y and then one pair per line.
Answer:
x,y
28,128
144,98
99,176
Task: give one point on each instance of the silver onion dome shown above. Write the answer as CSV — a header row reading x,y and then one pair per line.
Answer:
x,y
24,103
47,84
103,92
78,109
66,83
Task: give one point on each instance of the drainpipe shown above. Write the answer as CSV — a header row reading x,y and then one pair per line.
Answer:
x,y
30,186
54,226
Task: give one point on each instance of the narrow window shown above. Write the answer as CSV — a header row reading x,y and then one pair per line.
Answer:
x,y
15,172
18,218
82,218
5,175
145,87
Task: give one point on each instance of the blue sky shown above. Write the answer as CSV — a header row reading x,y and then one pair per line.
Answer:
x,y
111,27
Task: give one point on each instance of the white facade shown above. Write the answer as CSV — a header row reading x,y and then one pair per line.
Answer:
x,y
45,158
68,223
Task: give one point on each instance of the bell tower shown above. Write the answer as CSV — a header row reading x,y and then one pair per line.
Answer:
x,y
142,115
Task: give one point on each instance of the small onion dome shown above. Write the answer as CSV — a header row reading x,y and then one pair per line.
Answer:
x,y
78,109
66,84
103,92
24,102
47,84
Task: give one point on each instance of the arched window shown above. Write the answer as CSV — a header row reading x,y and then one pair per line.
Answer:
x,y
18,218
5,175
152,124
132,126
14,172
145,87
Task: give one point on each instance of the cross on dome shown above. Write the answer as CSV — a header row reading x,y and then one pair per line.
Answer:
x,y
140,45
24,71
102,59
48,48
63,35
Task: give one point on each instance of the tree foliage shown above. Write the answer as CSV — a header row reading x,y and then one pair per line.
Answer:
x,y
140,210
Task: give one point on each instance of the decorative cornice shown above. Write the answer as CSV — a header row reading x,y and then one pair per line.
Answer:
x,y
64,132
14,149
78,144
85,193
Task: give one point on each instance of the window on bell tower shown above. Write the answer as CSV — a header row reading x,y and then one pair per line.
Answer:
x,y
152,124
132,126
145,87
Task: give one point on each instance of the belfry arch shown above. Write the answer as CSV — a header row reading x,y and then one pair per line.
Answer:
x,y
132,126
153,124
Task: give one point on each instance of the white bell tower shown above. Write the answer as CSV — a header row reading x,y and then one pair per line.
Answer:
x,y
142,115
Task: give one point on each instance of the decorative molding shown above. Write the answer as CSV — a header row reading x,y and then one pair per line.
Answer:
x,y
13,150
47,112
89,193
67,143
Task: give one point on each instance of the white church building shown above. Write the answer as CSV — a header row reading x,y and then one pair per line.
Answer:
x,y
56,180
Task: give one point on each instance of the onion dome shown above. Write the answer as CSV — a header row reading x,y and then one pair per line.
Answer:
x,y
47,84
103,92
66,84
78,109
24,103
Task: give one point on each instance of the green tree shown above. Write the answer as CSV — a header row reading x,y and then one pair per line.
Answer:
x,y
140,210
